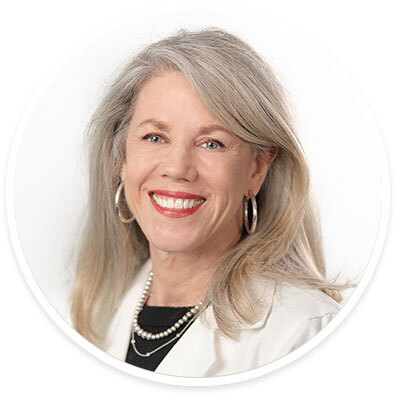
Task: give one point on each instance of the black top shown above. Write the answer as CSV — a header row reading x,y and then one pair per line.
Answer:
x,y
155,320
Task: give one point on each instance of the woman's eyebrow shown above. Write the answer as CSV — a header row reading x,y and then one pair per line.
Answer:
x,y
165,127
213,128
158,124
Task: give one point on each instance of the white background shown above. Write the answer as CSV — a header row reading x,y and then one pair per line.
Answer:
x,y
39,358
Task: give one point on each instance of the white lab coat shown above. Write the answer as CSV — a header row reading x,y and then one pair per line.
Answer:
x,y
297,315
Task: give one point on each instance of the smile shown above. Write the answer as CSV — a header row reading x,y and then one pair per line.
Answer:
x,y
176,204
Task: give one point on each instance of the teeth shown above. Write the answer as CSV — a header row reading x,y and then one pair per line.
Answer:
x,y
156,199
170,203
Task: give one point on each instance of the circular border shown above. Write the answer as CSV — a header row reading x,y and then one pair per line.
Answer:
x,y
184,381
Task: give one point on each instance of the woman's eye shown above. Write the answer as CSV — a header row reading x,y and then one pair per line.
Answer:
x,y
213,144
153,138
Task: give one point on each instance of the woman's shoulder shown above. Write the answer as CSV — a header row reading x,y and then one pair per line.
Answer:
x,y
303,302
299,307
288,304
297,314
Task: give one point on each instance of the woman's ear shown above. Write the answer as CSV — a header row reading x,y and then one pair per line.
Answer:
x,y
262,161
271,153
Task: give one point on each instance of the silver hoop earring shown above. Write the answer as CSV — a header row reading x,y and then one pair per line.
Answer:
x,y
117,208
252,198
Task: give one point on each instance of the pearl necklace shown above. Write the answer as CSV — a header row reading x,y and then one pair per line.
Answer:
x,y
189,316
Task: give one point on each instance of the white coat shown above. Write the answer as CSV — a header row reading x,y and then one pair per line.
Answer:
x,y
297,315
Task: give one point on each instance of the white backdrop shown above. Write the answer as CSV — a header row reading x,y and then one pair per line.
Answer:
x,y
44,164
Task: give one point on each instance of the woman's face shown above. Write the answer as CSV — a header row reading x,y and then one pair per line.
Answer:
x,y
185,175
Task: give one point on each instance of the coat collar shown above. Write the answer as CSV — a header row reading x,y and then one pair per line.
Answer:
x,y
193,354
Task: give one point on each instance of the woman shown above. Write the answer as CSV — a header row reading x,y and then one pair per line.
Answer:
x,y
201,254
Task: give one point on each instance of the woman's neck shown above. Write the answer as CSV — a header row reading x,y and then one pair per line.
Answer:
x,y
180,279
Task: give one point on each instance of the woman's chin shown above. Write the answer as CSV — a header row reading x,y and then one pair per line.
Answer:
x,y
174,243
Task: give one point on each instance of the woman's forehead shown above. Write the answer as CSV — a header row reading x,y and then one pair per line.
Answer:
x,y
169,99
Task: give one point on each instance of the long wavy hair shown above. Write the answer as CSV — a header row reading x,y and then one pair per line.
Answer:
x,y
241,90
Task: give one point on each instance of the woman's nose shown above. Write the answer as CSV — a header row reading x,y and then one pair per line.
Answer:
x,y
178,164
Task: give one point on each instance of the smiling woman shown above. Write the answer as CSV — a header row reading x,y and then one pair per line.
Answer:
x,y
214,239
181,155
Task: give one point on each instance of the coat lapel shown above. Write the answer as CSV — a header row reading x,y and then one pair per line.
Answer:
x,y
194,353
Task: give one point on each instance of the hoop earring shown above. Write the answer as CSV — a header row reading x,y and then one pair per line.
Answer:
x,y
252,198
117,208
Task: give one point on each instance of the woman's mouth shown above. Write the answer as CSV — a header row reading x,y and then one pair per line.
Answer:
x,y
176,205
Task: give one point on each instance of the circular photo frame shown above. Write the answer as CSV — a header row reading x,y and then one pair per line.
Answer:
x,y
46,189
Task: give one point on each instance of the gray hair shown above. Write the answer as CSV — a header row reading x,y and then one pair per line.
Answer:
x,y
241,90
